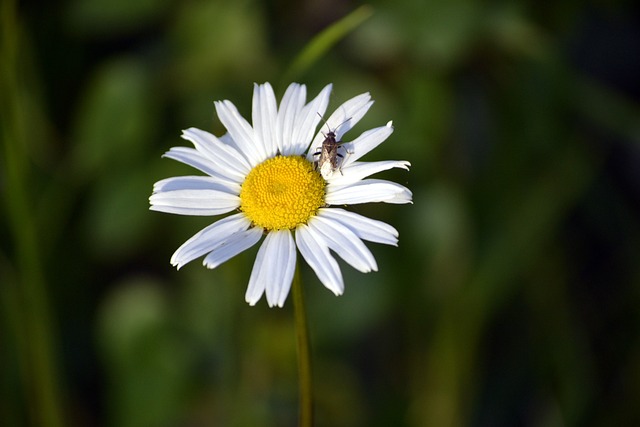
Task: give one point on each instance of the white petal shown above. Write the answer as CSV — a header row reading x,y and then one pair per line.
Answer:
x,y
365,228
368,191
192,157
195,183
348,114
232,246
308,120
290,106
316,252
343,119
359,170
209,238
226,139
194,202
273,269
265,113
241,132
366,142
228,160
345,243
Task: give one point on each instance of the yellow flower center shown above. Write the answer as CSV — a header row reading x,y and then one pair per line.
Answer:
x,y
282,192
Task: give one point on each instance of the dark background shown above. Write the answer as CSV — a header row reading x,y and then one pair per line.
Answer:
x,y
512,300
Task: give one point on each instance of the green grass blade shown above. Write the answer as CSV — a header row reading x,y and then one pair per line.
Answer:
x,y
324,41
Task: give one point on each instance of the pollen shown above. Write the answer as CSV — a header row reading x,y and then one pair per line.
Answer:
x,y
282,193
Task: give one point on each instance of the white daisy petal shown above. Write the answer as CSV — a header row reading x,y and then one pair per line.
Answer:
x,y
232,246
359,170
273,269
316,252
225,156
265,112
195,183
308,120
368,191
226,139
209,238
194,202
241,132
345,243
290,106
192,157
366,142
365,228
348,114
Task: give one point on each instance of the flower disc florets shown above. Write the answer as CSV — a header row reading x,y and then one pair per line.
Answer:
x,y
282,193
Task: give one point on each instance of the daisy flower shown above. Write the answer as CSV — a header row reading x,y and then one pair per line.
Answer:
x,y
265,175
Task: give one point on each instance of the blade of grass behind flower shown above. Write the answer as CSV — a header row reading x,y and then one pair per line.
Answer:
x,y
31,330
324,41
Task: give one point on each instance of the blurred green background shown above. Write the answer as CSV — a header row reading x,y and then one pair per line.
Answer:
x,y
512,300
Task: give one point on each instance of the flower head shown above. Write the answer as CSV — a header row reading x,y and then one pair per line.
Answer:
x,y
267,174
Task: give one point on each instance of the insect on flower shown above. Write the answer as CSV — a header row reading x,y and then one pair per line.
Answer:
x,y
328,161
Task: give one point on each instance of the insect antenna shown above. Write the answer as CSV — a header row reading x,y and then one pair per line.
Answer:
x,y
336,128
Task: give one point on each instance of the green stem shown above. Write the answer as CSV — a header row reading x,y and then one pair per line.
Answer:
x,y
304,353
